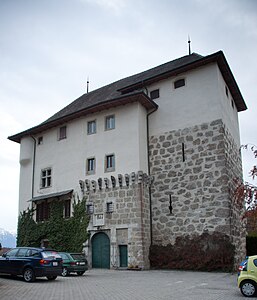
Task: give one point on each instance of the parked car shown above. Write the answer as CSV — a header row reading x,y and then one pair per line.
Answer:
x,y
73,263
247,276
31,263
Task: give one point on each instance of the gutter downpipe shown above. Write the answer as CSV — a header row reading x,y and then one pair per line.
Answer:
x,y
33,168
149,173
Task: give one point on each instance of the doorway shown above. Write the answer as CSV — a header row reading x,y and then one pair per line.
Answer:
x,y
123,255
101,251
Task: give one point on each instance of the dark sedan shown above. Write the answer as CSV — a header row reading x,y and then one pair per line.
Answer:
x,y
73,263
31,263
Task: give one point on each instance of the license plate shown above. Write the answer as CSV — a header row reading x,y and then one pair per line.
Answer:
x,y
55,263
82,263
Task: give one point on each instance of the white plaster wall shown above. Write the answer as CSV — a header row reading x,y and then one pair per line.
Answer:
x,y
229,113
202,99
26,166
67,157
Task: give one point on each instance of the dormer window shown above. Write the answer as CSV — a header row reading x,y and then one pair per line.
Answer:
x,y
179,83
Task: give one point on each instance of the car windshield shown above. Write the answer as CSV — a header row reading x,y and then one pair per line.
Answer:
x,y
78,256
50,254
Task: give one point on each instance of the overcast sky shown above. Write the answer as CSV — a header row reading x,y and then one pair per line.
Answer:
x,y
48,49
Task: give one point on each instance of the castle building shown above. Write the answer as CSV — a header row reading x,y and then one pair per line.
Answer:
x,y
154,154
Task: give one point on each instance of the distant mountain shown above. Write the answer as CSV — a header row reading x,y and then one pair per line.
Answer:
x,y
7,238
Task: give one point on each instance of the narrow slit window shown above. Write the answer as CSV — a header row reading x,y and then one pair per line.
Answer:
x,y
183,152
226,90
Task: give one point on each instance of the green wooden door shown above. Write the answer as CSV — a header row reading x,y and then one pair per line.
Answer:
x,y
123,255
101,251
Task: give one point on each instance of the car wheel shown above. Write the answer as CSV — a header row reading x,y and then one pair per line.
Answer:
x,y
80,273
51,277
64,272
29,275
248,288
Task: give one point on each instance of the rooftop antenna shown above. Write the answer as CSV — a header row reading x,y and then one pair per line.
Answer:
x,y
87,85
189,46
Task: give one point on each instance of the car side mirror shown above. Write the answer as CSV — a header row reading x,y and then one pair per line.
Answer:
x,y
4,255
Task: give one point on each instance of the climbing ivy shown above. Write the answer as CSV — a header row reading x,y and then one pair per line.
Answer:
x,y
63,234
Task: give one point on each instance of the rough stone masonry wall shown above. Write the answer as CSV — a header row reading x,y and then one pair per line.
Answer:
x,y
238,224
194,167
128,224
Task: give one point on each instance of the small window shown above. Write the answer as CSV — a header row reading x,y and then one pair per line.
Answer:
x,y
232,103
155,94
226,90
40,140
91,166
179,83
67,205
91,127
110,122
110,163
46,178
62,133
89,208
109,207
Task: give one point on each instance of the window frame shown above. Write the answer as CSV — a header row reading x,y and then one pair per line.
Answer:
x,y
89,127
109,124
46,180
178,83
88,164
62,135
109,207
110,168
89,208
155,94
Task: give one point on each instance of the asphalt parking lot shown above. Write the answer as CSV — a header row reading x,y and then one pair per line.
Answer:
x,y
126,285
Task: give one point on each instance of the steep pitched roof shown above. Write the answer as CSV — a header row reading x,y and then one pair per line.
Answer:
x,y
129,90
